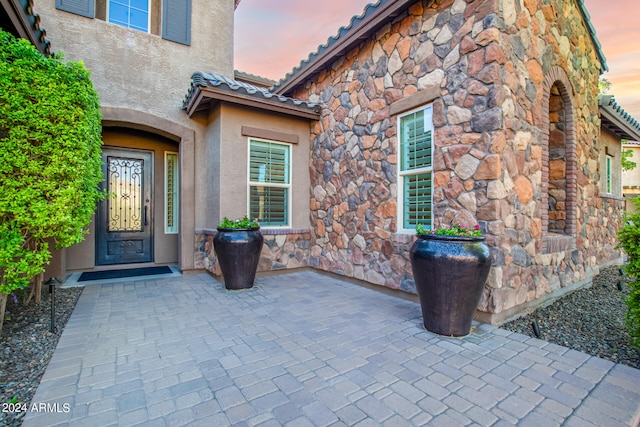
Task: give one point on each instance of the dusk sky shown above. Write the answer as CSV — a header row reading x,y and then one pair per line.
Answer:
x,y
273,36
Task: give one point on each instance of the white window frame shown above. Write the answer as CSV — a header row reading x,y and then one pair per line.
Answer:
x,y
129,24
428,113
176,196
262,184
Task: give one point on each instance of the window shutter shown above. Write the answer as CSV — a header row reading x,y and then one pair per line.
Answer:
x,y
416,142
176,21
269,163
269,204
417,193
79,7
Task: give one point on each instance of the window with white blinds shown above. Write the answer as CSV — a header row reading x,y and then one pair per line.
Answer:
x,y
415,171
269,183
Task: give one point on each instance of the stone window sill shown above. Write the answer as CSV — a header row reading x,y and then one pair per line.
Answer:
x,y
558,243
611,196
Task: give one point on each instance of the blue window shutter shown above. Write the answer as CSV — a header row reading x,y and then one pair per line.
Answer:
x,y
79,7
176,21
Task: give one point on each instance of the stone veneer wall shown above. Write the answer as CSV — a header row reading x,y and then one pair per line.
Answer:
x,y
488,61
282,249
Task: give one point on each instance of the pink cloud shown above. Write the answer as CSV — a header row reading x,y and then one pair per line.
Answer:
x,y
619,38
273,36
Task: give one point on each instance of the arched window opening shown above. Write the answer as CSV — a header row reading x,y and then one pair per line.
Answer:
x,y
557,164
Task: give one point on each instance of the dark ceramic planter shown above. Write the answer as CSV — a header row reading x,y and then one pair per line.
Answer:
x,y
450,273
238,251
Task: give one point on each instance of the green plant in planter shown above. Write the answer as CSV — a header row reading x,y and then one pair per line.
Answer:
x,y
245,222
455,230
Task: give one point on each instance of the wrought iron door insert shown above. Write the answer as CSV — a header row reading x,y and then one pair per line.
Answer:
x,y
124,221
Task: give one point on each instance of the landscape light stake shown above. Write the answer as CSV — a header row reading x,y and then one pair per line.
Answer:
x,y
52,282
536,328
621,271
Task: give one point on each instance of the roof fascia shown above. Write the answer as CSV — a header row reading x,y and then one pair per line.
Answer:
x,y
381,14
204,94
25,25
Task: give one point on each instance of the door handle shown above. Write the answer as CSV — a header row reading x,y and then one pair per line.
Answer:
x,y
146,220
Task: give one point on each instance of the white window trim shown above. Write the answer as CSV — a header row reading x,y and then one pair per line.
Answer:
x,y
401,174
177,194
289,180
131,28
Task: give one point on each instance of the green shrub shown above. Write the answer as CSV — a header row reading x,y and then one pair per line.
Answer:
x,y
629,237
50,138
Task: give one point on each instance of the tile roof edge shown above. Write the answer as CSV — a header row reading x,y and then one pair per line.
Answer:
x,y
592,32
29,23
608,103
356,21
201,79
253,78
369,12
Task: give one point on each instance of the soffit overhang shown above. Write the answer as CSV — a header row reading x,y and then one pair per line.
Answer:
x,y
616,120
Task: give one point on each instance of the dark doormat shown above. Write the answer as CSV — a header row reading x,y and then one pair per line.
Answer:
x,y
119,274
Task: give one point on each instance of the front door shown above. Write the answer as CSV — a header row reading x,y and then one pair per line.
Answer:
x,y
124,221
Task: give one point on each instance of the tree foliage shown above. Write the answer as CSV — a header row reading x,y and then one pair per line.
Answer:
x,y
629,237
627,164
50,127
604,86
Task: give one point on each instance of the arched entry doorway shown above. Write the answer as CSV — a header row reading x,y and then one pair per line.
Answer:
x,y
138,220
81,257
184,137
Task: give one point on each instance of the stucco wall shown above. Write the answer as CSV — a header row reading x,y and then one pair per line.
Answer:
x,y
611,147
142,75
234,151
228,150
141,71
631,179
492,64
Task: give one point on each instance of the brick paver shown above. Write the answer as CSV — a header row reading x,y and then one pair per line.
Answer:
x,y
305,349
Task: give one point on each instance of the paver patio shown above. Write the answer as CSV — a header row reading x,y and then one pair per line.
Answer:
x,y
305,349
